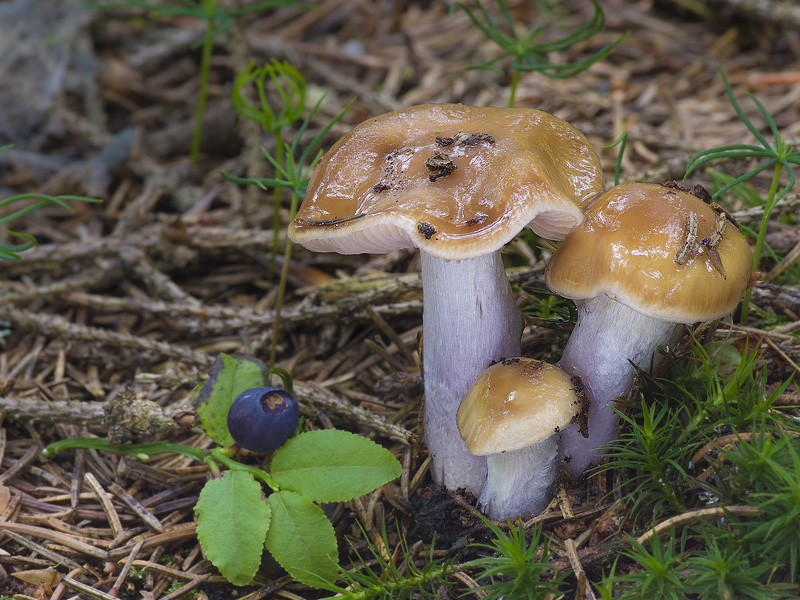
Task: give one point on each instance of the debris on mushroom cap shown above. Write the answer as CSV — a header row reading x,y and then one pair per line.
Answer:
x,y
660,251
475,175
516,403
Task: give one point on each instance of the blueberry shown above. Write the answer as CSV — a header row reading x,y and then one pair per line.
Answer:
x,y
262,419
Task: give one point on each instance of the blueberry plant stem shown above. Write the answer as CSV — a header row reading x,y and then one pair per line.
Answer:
x,y
144,451
277,192
287,254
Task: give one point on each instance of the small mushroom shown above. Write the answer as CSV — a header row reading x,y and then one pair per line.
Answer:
x,y
512,414
633,295
523,167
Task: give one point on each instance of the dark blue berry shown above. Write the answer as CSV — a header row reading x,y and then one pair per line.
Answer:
x,y
262,419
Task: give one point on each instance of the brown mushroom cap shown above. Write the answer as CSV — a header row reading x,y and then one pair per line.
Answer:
x,y
516,403
627,248
389,184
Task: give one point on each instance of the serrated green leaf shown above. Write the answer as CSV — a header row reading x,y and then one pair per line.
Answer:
x,y
302,540
228,377
331,465
232,523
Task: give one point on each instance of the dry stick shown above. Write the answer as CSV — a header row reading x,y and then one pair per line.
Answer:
x,y
56,326
186,588
54,536
178,533
393,336
123,574
697,515
787,261
105,503
136,260
786,205
782,354
27,458
145,515
350,303
86,589
719,443
52,556
156,238
170,572
64,286
59,591
313,398
584,590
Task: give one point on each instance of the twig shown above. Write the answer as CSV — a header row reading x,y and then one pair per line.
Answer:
x,y
175,534
135,259
30,455
54,536
170,572
86,589
697,515
123,574
161,422
720,442
584,590
145,515
186,588
55,557
56,326
782,354
785,206
105,502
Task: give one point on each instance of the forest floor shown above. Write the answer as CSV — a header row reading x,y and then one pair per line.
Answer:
x,y
135,297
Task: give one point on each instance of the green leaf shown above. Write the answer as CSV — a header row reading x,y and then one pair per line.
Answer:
x,y
331,465
229,376
302,540
232,522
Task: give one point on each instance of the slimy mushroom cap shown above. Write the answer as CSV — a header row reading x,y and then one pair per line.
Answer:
x,y
516,403
456,181
638,245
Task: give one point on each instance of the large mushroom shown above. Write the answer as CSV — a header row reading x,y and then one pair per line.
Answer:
x,y
512,414
458,182
647,260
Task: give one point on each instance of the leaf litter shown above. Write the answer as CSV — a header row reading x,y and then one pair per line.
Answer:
x,y
131,301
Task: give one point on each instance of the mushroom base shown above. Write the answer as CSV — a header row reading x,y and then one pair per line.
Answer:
x,y
608,339
520,481
469,320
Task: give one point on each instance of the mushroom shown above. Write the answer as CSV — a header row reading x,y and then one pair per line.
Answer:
x,y
647,260
458,182
512,415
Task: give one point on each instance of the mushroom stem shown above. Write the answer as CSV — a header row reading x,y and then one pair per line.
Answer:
x,y
469,320
608,339
520,481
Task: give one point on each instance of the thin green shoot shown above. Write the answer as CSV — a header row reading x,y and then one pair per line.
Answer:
x,y
621,141
290,86
657,575
293,173
526,50
218,20
381,579
648,449
514,566
778,156
11,251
